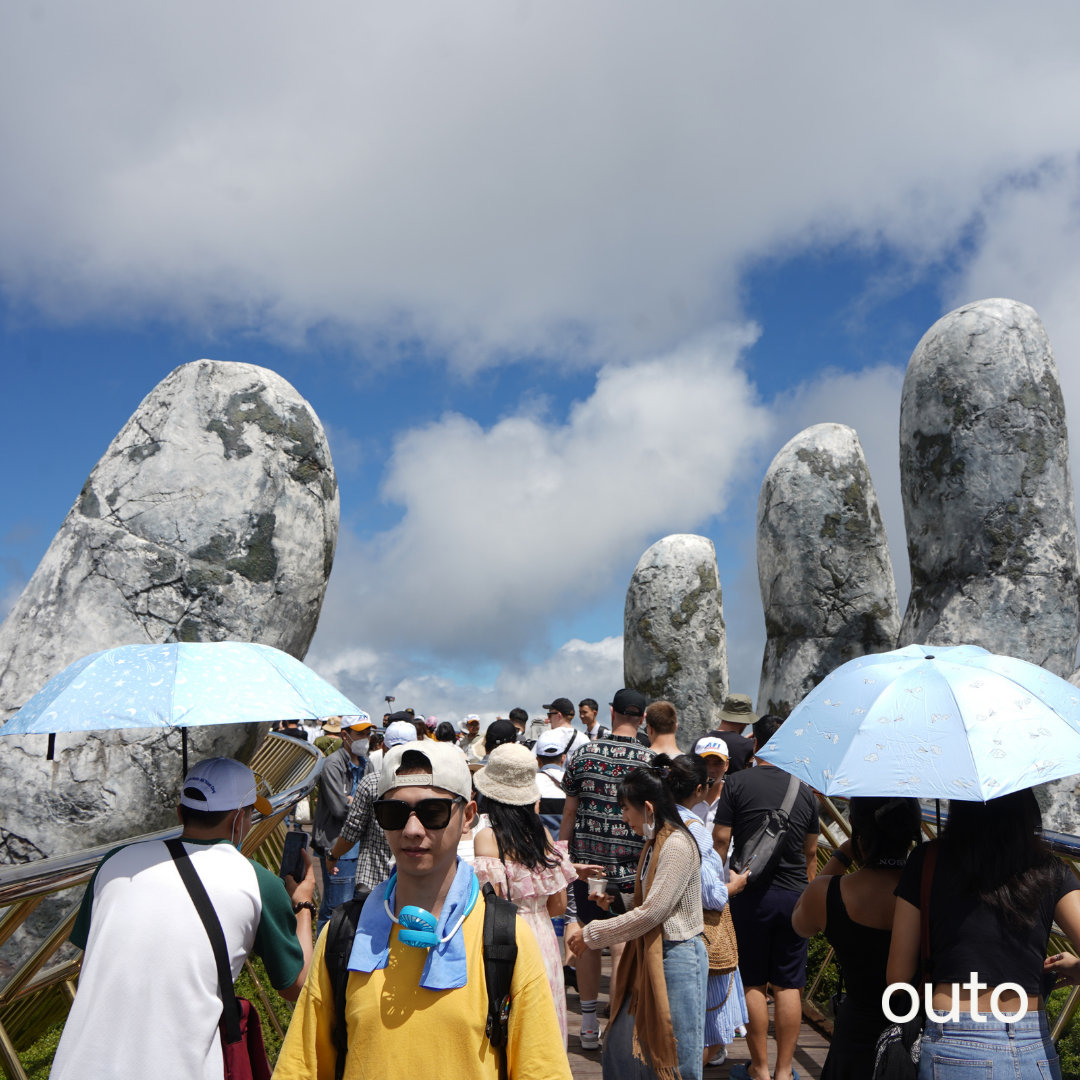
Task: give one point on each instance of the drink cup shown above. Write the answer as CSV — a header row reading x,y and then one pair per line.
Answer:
x,y
597,886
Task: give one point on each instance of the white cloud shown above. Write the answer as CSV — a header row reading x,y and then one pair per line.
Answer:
x,y
577,669
580,180
504,526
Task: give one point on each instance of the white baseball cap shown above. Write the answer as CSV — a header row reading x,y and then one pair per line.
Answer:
x,y
711,746
449,769
554,743
400,731
222,784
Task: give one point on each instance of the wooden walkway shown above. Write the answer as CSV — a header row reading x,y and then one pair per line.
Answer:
x,y
585,1064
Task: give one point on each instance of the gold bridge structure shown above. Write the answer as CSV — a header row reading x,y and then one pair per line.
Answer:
x,y
835,829
39,902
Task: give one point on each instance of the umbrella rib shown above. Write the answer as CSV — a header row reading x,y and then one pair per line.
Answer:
x,y
967,742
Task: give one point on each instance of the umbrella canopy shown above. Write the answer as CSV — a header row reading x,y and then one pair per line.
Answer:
x,y
184,684
932,722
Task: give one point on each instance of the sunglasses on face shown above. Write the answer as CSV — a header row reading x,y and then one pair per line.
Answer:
x,y
393,814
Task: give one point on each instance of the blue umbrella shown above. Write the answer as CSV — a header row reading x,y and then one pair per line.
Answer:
x,y
183,684
935,722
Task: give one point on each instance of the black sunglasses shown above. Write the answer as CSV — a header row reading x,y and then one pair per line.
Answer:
x,y
393,814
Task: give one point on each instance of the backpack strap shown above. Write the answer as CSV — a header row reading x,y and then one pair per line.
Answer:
x,y
500,956
197,891
790,796
338,949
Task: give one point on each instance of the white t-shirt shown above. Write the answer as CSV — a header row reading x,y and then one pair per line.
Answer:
x,y
548,780
148,1003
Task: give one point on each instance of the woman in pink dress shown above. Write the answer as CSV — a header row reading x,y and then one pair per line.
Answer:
x,y
517,855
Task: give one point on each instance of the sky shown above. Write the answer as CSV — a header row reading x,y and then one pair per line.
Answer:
x,y
558,279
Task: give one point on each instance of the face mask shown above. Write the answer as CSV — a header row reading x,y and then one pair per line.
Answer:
x,y
649,828
360,746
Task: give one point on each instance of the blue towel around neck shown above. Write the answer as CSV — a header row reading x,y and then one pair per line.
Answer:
x,y
447,965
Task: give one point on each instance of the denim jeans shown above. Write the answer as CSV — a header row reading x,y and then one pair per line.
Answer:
x,y
686,972
339,888
969,1050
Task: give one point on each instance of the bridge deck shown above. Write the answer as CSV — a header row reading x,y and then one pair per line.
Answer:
x,y
585,1064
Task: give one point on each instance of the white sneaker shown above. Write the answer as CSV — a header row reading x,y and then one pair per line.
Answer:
x,y
590,1040
719,1057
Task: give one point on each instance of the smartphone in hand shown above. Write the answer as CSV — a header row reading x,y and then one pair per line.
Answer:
x,y
292,861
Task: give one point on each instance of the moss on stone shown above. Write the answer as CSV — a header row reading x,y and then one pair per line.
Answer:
x,y
259,565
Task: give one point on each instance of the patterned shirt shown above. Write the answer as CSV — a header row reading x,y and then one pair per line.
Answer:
x,y
600,834
374,858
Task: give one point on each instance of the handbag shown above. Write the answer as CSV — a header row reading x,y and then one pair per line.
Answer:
x,y
899,1046
720,941
240,1029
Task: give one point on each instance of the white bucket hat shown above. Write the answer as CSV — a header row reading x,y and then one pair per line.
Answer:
x,y
509,776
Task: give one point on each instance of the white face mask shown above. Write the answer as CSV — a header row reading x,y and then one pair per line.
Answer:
x,y
360,746
648,830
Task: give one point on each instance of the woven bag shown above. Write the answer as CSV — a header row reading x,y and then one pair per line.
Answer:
x,y
720,941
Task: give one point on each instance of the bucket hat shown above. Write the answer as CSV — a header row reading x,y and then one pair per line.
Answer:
x,y
509,776
739,709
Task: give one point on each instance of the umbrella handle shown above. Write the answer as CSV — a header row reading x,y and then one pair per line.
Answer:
x,y
50,754
183,751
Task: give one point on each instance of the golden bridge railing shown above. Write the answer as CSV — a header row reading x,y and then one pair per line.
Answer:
x,y
40,900
835,829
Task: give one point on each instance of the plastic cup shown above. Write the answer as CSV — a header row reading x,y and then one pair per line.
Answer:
x,y
597,886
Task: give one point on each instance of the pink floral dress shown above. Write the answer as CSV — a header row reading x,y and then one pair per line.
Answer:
x,y
530,889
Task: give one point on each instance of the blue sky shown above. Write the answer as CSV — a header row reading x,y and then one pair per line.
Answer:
x,y
608,258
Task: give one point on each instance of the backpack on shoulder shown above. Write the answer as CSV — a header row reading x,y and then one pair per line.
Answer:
x,y
765,847
500,956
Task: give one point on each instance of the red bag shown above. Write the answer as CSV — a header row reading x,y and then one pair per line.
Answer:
x,y
245,1059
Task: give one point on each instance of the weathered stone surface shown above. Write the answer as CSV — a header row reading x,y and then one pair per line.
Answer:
x,y
674,645
212,516
988,500
823,565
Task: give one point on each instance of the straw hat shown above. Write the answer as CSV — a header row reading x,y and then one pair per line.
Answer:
x,y
509,776
333,725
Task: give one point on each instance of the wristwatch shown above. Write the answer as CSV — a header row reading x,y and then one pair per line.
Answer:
x,y
297,908
331,857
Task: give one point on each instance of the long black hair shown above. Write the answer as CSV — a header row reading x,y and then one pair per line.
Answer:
x,y
883,830
1000,856
521,835
445,732
651,783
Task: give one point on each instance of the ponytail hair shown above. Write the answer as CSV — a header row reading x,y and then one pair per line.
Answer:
x,y
883,830
651,783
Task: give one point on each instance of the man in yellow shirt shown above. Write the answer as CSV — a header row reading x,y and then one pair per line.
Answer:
x,y
412,1010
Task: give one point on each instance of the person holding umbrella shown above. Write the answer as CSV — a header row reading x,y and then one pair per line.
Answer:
x,y
996,892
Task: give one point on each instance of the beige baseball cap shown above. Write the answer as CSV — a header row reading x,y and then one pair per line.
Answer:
x,y
449,769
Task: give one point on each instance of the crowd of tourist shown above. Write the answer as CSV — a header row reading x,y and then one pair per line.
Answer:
x,y
696,871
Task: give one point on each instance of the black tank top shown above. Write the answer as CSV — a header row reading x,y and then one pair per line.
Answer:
x,y
863,952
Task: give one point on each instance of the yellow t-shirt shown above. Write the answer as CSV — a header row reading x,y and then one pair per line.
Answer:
x,y
400,1031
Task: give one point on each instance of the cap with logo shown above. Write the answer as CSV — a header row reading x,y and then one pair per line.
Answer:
x,y
449,769
711,746
562,705
739,709
400,731
222,784
629,702
553,743
360,722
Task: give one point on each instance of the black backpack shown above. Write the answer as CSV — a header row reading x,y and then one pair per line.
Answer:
x,y
767,842
500,956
